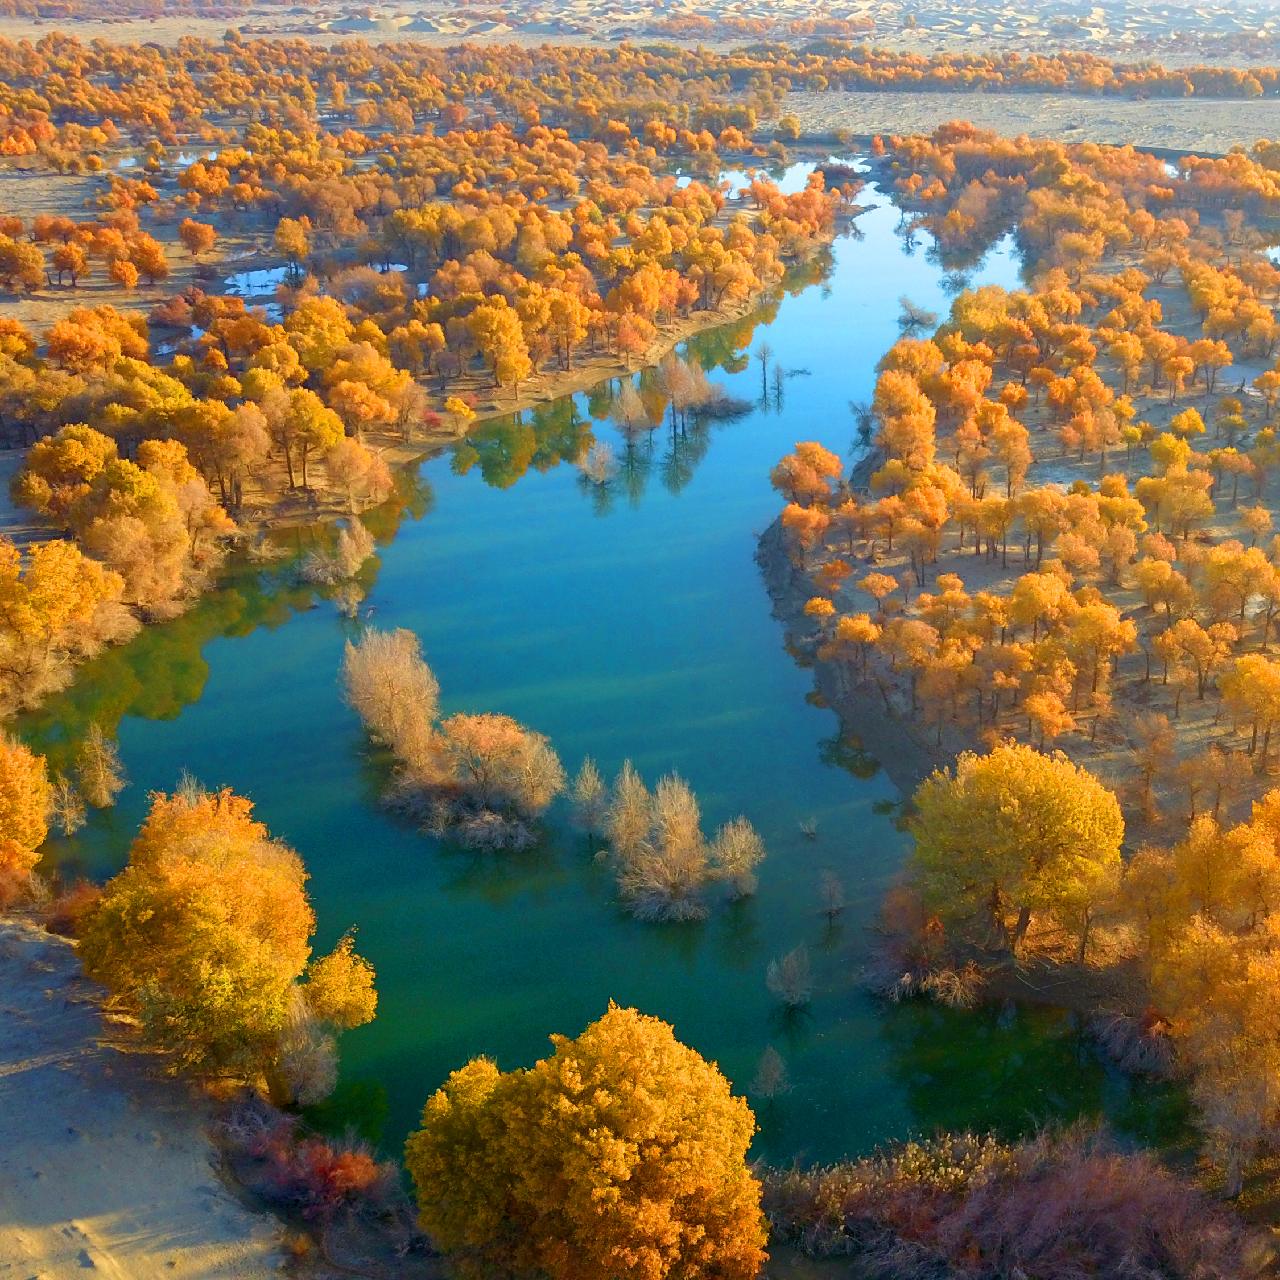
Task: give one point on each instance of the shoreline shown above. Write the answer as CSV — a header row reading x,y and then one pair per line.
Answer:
x,y
861,711
82,1104
907,759
545,388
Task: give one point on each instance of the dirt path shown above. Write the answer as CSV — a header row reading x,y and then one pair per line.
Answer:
x,y
103,1166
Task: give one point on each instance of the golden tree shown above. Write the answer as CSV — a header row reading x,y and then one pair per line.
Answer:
x,y
205,934
25,799
1016,830
621,1155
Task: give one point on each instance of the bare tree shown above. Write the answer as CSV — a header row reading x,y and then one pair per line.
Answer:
x,y
864,421
771,1075
389,684
736,851
790,979
914,318
831,894
99,769
590,798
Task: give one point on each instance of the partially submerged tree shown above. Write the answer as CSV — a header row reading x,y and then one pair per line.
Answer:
x,y
481,778
662,860
590,799
790,978
771,1078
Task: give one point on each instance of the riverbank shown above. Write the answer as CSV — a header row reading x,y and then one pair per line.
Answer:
x,y
906,756
104,1164
549,385
908,753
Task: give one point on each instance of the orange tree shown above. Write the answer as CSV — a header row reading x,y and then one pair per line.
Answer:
x,y
621,1155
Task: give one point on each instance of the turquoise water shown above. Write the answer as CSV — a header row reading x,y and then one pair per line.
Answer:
x,y
630,623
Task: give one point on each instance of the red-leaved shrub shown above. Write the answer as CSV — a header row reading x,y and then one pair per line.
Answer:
x,y
311,1175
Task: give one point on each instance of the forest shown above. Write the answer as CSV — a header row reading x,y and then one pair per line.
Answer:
x,y
1051,566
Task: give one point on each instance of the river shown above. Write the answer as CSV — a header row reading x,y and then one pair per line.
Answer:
x,y
624,623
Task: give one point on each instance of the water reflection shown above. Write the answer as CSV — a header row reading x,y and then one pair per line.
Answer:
x,y
1012,1069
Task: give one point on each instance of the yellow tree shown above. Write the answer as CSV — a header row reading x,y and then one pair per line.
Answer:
x,y
292,241
495,328
853,637
1221,991
623,1155
299,424
1251,689
25,801
206,932
808,474
317,330
1016,830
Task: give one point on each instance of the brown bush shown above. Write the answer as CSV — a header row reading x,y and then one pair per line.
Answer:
x,y
69,908
1067,1206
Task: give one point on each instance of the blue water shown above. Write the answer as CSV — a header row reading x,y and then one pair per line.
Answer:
x,y
623,624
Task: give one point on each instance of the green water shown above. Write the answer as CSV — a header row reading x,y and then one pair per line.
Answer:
x,y
630,623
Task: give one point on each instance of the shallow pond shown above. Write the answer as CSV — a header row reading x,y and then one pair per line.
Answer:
x,y
624,622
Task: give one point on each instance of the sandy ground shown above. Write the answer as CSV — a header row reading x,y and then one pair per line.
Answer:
x,y
103,1165
1203,125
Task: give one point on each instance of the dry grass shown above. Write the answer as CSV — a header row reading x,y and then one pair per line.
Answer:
x,y
1069,1206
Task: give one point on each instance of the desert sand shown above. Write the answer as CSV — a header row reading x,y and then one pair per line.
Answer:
x,y
1205,126
104,1165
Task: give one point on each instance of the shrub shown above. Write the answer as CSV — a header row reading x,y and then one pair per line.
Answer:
x,y
66,914
309,1175
482,779
1069,1206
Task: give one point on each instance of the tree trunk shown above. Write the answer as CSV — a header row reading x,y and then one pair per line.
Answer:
x,y
1020,929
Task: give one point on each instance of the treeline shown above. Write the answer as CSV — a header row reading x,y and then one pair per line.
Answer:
x,y
157,91
1014,850
1066,204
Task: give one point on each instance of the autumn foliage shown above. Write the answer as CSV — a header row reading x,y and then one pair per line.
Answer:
x,y
621,1154
205,934
24,804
